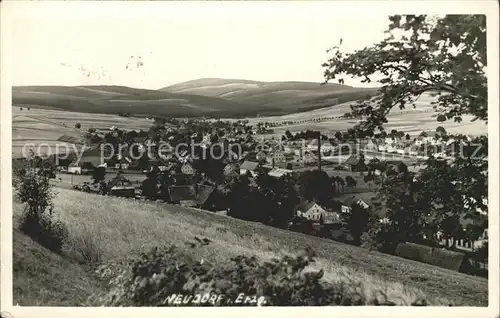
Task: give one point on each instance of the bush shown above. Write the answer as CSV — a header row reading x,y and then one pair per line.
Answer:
x,y
155,278
38,222
48,232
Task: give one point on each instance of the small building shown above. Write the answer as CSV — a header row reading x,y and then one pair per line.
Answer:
x,y
122,163
187,168
311,211
362,199
229,170
75,168
355,163
278,172
317,214
121,187
195,195
249,166
309,158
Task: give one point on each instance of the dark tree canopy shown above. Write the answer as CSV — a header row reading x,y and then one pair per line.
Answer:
x,y
443,55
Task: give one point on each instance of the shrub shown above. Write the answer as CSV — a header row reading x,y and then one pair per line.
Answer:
x,y
156,277
34,189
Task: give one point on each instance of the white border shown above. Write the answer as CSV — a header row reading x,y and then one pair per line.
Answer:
x,y
8,9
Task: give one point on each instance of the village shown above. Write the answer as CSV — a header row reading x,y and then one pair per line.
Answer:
x,y
171,162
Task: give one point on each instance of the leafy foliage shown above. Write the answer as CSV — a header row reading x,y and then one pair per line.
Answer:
x,y
446,57
38,221
421,54
152,278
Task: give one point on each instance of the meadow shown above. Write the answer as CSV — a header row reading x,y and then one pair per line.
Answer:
x,y
212,97
46,126
106,229
410,120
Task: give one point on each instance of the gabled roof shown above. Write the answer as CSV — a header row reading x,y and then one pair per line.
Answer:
x,y
306,206
350,198
352,161
198,193
119,181
249,165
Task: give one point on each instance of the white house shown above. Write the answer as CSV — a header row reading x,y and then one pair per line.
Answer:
x,y
311,211
75,169
187,169
314,212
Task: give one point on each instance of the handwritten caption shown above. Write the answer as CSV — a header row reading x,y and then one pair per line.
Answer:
x,y
214,299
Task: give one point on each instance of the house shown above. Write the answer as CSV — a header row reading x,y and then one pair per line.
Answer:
x,y
435,256
308,158
75,168
249,166
187,168
363,199
427,137
311,211
277,157
195,195
229,170
121,187
466,245
314,212
122,163
355,163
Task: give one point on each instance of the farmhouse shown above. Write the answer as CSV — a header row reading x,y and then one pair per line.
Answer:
x,y
362,199
314,212
195,195
355,163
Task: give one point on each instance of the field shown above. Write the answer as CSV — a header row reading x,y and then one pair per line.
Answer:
x,y
114,228
410,120
193,98
46,126
290,95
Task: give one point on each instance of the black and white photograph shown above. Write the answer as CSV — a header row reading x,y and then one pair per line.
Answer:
x,y
230,154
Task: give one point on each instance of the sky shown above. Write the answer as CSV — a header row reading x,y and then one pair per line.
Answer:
x,y
177,43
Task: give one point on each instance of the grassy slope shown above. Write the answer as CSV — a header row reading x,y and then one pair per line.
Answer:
x,y
410,120
114,99
290,95
114,228
194,98
42,278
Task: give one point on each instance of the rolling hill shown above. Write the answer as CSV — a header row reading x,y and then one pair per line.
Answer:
x,y
296,96
204,97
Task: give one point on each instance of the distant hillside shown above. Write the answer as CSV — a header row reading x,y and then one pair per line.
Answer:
x,y
204,97
289,96
116,99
